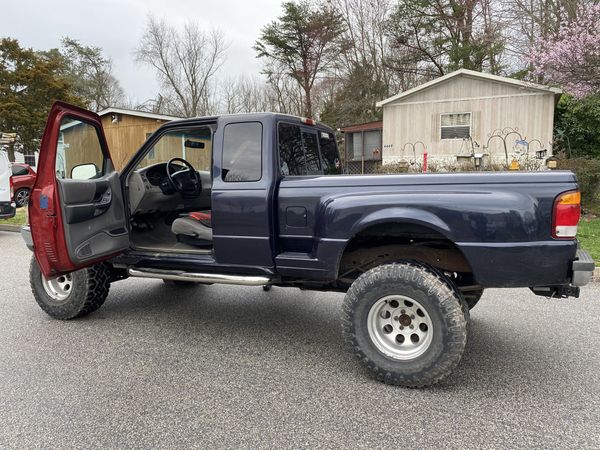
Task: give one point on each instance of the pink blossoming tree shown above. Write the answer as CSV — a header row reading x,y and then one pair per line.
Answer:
x,y
572,58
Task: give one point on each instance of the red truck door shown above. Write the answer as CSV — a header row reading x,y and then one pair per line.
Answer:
x,y
76,208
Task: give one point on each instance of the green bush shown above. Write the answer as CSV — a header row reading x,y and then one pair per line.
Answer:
x,y
588,176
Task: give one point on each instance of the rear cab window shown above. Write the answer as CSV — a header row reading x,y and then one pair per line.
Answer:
x,y
305,151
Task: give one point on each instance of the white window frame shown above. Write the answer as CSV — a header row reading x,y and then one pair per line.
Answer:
x,y
451,126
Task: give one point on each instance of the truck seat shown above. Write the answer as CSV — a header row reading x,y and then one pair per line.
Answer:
x,y
195,228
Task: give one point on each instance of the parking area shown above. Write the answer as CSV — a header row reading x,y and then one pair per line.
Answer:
x,y
222,366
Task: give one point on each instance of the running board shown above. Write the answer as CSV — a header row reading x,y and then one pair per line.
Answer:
x,y
178,275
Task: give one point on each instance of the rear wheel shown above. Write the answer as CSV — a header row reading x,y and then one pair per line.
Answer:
x,y
406,323
72,295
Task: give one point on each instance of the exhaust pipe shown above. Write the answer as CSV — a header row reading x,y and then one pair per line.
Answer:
x,y
177,275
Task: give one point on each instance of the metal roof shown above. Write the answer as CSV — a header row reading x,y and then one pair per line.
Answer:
x,y
471,74
133,112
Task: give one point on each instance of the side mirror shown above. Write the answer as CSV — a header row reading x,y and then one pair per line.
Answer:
x,y
85,171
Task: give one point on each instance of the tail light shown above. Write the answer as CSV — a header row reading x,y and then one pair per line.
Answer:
x,y
308,121
565,216
12,189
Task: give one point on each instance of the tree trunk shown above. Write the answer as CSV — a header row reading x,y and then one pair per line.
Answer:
x,y
307,102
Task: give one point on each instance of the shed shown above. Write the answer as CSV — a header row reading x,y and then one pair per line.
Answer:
x,y
465,113
126,130
362,146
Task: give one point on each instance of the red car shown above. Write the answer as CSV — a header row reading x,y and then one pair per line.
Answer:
x,y
23,177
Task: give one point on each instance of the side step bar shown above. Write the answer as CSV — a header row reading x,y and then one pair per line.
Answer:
x,y
177,275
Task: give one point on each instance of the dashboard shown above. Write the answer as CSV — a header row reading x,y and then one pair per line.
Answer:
x,y
147,191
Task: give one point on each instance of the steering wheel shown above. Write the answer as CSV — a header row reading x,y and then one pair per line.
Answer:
x,y
185,181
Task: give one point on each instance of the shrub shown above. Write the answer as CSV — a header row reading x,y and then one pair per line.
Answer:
x,y
588,176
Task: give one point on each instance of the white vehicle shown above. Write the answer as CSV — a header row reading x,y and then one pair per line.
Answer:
x,y
7,205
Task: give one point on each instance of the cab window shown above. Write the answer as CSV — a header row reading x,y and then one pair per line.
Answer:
x,y
298,151
242,152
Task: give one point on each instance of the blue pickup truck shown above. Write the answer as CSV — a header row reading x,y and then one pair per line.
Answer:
x,y
259,200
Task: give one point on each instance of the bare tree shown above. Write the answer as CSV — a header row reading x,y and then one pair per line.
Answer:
x,y
186,62
526,21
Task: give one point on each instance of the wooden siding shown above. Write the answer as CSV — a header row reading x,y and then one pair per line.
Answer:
x,y
80,145
492,106
124,139
126,136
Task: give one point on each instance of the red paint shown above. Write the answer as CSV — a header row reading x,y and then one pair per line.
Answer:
x,y
23,181
45,214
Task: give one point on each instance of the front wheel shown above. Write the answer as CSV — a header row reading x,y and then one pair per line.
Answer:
x,y
72,295
406,323
22,197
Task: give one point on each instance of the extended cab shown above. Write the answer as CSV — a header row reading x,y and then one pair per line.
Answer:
x,y
258,200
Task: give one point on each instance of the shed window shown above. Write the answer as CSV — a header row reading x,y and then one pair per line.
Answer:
x,y
455,126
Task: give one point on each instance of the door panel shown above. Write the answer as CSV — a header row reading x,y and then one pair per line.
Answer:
x,y
93,215
75,222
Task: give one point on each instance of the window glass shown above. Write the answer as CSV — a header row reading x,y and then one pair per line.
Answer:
x,y
312,158
455,126
19,170
193,145
78,150
291,154
373,144
242,152
329,151
298,150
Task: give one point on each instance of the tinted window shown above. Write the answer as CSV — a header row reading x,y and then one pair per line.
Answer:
x,y
329,151
291,154
19,170
298,151
78,145
242,148
311,153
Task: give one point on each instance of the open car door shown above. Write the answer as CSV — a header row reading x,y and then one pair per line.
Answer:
x,y
76,208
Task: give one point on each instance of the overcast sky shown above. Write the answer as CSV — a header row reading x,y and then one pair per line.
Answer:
x,y
116,26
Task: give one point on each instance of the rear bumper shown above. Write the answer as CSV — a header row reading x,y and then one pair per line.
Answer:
x,y
7,210
583,268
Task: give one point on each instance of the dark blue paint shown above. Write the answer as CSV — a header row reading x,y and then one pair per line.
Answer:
x,y
298,227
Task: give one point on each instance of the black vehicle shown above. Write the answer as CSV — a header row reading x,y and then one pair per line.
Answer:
x,y
251,200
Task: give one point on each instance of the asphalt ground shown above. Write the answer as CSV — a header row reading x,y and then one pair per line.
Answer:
x,y
222,366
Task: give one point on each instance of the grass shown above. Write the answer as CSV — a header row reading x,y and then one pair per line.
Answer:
x,y
588,235
19,219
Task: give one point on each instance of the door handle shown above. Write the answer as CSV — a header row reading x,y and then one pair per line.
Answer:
x,y
103,204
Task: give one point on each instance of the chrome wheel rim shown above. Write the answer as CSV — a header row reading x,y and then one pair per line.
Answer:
x,y
400,327
58,288
22,197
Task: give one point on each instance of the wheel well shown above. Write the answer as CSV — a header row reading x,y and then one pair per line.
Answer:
x,y
388,242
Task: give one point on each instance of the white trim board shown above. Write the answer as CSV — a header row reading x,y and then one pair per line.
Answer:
x,y
470,74
466,99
